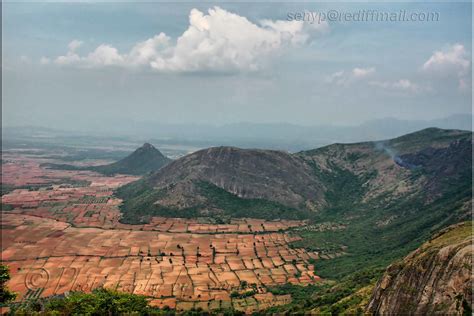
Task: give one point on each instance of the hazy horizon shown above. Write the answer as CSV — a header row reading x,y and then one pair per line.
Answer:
x,y
191,137
457,116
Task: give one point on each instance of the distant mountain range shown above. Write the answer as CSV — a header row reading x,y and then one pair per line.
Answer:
x,y
280,136
143,160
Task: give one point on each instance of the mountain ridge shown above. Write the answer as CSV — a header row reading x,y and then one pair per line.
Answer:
x,y
295,180
283,136
389,196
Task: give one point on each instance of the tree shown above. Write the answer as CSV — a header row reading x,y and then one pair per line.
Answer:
x,y
5,294
99,302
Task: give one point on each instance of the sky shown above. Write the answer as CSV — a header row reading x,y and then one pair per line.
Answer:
x,y
85,65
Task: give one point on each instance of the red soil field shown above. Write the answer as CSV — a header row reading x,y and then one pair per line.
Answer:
x,y
67,238
53,257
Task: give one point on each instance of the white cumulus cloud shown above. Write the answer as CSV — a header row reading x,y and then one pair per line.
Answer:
x,y
105,55
217,41
453,61
345,77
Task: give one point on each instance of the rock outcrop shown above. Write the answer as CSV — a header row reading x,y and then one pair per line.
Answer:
x,y
434,279
246,173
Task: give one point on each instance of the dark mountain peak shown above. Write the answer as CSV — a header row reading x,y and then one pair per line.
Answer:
x,y
148,150
143,160
148,146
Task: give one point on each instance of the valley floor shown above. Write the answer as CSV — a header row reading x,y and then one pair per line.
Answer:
x,y
61,233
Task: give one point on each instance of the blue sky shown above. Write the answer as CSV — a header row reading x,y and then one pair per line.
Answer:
x,y
67,65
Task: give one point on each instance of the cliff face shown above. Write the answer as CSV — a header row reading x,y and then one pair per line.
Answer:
x,y
434,279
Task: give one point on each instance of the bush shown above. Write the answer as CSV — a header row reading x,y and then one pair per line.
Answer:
x,y
99,302
5,294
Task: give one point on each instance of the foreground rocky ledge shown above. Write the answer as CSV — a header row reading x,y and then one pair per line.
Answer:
x,y
434,279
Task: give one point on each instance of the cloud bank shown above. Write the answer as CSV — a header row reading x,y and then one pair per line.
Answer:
x,y
219,41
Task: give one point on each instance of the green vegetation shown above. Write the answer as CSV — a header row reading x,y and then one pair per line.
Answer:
x,y
6,207
102,302
449,236
236,294
99,302
90,199
387,227
235,206
139,205
345,190
5,294
7,188
376,245
347,296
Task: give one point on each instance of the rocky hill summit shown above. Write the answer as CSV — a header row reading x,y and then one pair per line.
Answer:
x,y
143,160
246,173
